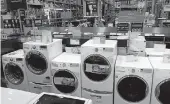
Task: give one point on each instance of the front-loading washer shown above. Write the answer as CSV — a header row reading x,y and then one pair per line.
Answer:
x,y
38,56
133,81
97,71
98,62
152,52
161,81
14,71
66,74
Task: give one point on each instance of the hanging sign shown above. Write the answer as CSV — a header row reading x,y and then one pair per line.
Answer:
x,y
138,27
122,27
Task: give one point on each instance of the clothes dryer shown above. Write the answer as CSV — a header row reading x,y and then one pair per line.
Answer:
x,y
66,74
14,71
133,81
37,62
97,71
37,59
161,81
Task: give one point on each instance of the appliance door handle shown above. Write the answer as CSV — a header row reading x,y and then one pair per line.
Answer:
x,y
95,91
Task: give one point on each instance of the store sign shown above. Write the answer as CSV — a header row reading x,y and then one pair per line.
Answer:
x,y
37,22
137,26
91,8
166,8
16,4
122,27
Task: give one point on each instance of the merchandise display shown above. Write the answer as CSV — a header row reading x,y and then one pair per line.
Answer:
x,y
161,81
66,76
98,70
14,70
133,80
85,51
37,63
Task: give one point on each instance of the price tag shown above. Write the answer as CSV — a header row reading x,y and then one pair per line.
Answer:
x,y
74,42
159,47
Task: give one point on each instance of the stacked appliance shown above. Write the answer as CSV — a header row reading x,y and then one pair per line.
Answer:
x,y
66,77
97,71
137,46
161,81
133,80
38,57
15,73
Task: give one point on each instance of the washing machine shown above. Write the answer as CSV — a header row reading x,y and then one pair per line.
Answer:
x,y
38,57
133,81
66,74
151,52
97,71
14,71
137,45
161,81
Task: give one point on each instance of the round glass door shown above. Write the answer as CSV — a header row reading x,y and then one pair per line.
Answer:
x,y
97,68
65,81
162,92
132,88
36,62
14,73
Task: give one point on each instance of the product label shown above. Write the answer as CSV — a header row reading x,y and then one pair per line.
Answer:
x,y
98,69
64,81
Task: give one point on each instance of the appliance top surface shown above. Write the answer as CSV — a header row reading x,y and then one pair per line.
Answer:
x,y
108,43
68,58
142,62
152,51
13,96
157,63
51,98
41,43
16,54
140,38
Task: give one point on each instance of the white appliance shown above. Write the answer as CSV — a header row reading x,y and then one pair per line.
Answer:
x,y
14,71
38,58
161,81
13,96
51,98
97,71
151,52
137,46
133,81
66,74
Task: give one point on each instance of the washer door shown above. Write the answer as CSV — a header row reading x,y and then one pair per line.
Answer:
x,y
97,68
132,88
162,92
65,81
14,73
36,62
